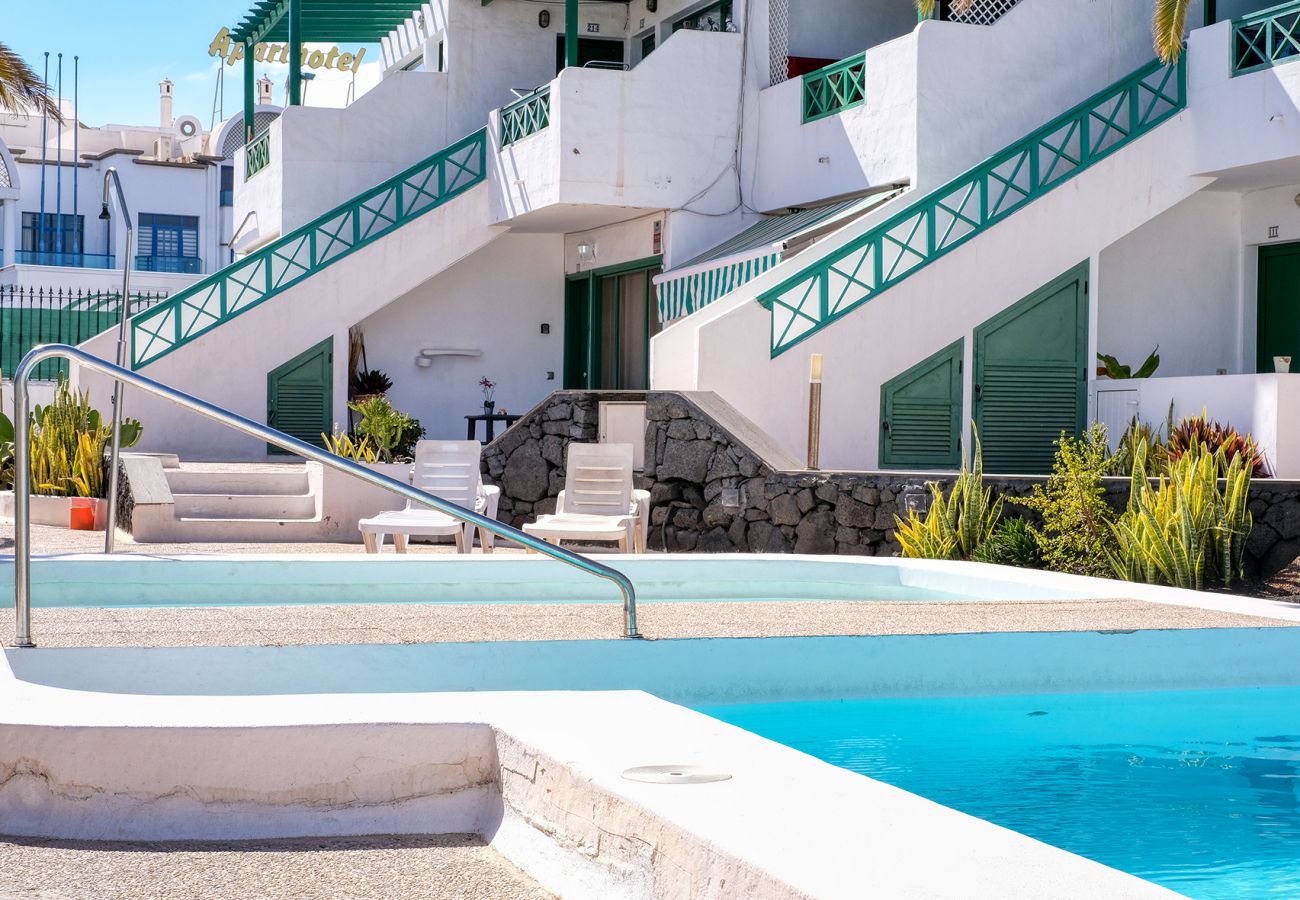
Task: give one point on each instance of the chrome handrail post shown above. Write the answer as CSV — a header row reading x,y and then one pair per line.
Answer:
x,y
115,451
122,375
22,507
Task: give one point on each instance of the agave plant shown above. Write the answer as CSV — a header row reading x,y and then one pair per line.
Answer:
x,y
957,525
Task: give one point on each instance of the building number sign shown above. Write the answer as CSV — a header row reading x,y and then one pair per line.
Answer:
x,y
593,28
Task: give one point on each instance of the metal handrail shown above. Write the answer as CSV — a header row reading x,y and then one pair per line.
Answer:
x,y
22,481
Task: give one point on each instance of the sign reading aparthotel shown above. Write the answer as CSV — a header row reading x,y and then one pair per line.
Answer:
x,y
232,53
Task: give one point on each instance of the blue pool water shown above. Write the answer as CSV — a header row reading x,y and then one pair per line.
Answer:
x,y
1196,790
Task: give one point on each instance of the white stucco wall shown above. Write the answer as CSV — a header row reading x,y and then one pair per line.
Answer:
x,y
834,29
229,364
659,136
1176,281
495,301
729,351
939,98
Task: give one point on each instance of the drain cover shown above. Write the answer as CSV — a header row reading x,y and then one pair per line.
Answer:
x,y
675,775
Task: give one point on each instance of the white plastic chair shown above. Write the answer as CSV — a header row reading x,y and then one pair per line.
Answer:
x,y
449,470
598,502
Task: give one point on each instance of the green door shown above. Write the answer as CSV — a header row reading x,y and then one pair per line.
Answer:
x,y
1278,325
609,318
300,395
1030,376
920,414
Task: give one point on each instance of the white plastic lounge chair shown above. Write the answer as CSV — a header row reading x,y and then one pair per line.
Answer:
x,y
449,470
598,502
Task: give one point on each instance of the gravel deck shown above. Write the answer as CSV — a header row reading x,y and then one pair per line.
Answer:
x,y
413,623
449,867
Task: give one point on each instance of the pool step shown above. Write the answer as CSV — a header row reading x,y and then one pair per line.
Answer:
x,y
245,506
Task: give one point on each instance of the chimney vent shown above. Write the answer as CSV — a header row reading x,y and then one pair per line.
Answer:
x,y
165,103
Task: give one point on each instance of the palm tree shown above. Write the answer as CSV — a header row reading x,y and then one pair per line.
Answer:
x,y
20,89
1170,21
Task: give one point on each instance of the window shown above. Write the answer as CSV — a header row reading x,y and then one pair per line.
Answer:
x,y
167,243
227,185
47,239
716,17
167,235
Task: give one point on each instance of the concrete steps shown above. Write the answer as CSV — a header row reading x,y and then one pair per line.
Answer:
x,y
224,502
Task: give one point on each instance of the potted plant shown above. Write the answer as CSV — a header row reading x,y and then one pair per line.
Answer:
x,y
367,384
68,465
489,389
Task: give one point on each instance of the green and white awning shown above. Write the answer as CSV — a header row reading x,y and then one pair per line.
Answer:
x,y
730,265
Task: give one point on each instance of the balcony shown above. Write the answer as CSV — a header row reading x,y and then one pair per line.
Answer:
x,y
597,146
178,265
70,260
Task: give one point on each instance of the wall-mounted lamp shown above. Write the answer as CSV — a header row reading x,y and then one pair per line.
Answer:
x,y
652,5
815,411
544,19
586,251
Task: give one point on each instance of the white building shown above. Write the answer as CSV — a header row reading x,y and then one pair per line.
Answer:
x,y
957,214
176,177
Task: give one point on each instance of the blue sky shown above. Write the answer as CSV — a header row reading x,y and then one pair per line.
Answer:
x,y
127,47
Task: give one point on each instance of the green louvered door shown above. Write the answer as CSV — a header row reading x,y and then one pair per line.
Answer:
x,y
1029,378
920,412
300,395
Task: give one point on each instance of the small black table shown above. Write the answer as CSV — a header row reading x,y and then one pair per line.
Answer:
x,y
471,430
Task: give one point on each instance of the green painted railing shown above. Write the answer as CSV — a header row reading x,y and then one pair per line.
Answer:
x,y
947,217
527,115
302,253
835,88
1266,38
257,156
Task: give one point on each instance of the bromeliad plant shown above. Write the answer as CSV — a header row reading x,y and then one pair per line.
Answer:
x,y
956,525
68,440
1185,528
1224,442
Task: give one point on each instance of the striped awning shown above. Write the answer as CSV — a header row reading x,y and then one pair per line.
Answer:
x,y
742,258
684,294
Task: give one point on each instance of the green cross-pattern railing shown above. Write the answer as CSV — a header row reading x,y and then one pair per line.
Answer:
x,y
947,217
303,252
527,115
835,88
1266,38
257,155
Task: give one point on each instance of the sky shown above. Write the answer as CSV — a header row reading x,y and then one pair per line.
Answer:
x,y
127,46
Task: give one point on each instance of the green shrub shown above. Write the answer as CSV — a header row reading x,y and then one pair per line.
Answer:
x,y
1076,534
957,525
393,434
1012,544
1186,527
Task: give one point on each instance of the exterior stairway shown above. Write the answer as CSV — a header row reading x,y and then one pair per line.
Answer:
x,y
219,338
222,502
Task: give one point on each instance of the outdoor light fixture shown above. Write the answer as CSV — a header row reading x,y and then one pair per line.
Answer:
x,y
544,19
815,411
586,251
652,5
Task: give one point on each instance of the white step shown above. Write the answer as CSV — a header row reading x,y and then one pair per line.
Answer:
x,y
245,531
244,506
232,480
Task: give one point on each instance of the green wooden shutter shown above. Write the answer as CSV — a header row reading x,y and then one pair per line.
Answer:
x,y
300,395
1030,376
921,414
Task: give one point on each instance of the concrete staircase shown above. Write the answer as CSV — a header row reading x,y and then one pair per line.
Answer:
x,y
222,502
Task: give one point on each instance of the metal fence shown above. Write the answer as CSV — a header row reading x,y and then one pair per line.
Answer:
x,y
31,316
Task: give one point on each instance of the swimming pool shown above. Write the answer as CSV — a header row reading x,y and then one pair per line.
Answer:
x,y
1195,790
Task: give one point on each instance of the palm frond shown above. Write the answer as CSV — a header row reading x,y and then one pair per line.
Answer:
x,y
20,88
1168,28
926,8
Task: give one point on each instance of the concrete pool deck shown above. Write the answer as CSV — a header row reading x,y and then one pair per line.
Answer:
x,y
450,866
414,623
